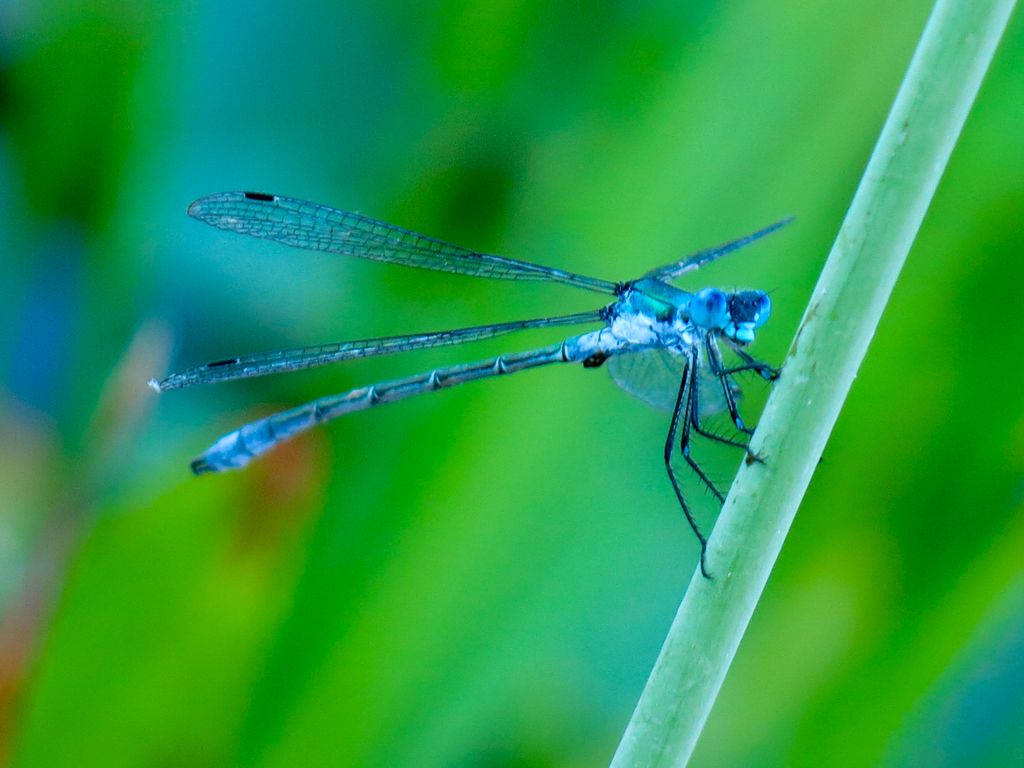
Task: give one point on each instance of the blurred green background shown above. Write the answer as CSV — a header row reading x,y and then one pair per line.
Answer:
x,y
482,577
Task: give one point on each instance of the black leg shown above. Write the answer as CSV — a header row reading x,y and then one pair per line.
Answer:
x,y
765,371
758,368
695,421
682,405
715,361
692,410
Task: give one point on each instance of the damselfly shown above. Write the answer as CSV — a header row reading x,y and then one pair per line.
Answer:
x,y
661,344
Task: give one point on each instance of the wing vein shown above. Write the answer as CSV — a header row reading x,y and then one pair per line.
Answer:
x,y
311,226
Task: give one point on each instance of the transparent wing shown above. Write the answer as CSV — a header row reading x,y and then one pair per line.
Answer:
x,y
699,259
653,375
710,398
248,366
301,224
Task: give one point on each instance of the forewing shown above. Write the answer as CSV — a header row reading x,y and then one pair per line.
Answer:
x,y
302,224
699,259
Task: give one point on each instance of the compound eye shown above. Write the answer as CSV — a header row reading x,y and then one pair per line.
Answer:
x,y
709,308
763,310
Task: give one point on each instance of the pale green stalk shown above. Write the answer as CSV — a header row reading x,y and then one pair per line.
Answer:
x,y
930,109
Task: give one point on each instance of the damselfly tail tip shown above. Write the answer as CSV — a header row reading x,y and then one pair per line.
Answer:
x,y
201,466
154,385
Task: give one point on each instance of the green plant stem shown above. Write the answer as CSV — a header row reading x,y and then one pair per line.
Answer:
x,y
926,118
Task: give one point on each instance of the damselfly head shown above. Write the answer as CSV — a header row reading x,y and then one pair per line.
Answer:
x,y
734,314
747,310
